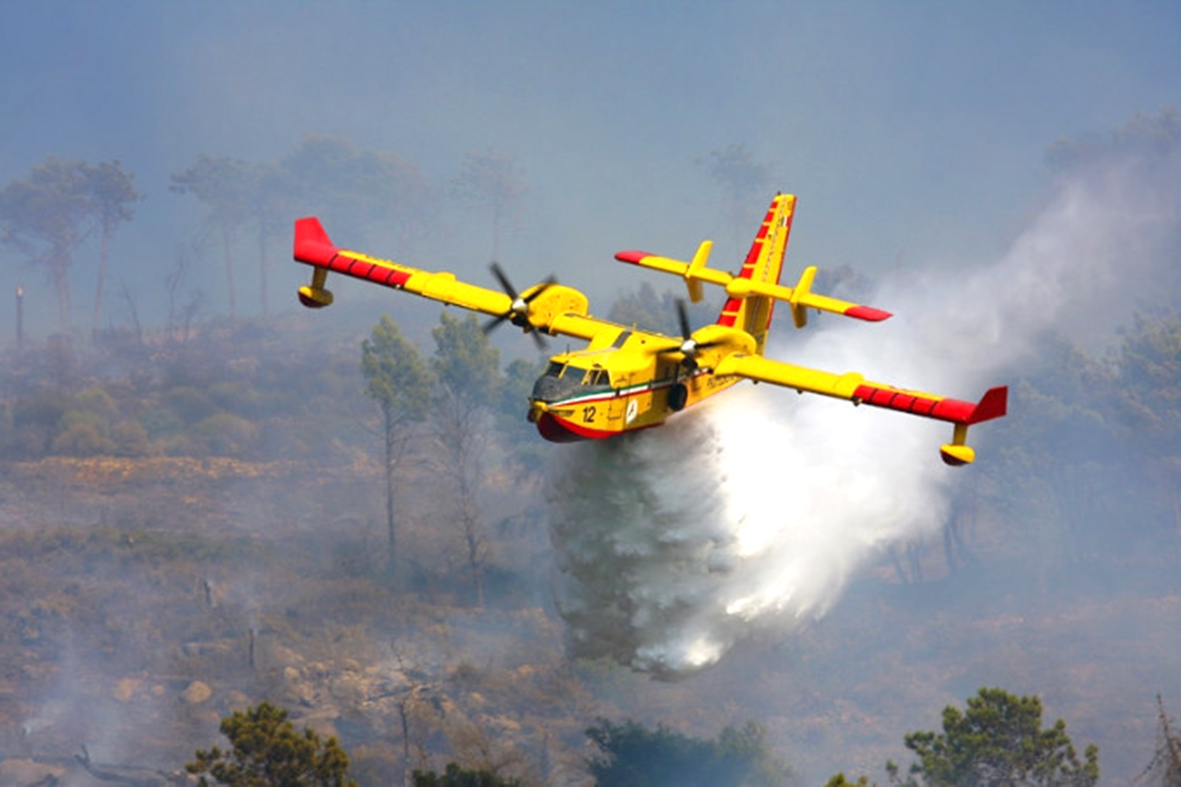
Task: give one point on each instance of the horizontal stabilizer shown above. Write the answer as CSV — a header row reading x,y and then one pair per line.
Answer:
x,y
800,298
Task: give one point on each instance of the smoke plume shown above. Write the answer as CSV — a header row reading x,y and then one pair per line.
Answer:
x,y
753,511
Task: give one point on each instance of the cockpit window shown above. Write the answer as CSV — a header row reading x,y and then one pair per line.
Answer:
x,y
554,369
601,378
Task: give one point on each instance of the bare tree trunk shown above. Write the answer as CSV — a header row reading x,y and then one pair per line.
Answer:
x,y
104,246
262,271
458,433
61,284
405,717
473,540
20,318
226,236
390,461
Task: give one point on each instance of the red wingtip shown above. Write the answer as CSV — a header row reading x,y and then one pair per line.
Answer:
x,y
633,257
994,404
312,244
868,313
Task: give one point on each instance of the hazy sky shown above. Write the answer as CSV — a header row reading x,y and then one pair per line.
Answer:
x,y
914,132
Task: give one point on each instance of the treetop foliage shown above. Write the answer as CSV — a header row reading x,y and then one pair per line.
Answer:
x,y
455,776
998,740
268,752
1165,768
50,213
397,378
465,362
631,754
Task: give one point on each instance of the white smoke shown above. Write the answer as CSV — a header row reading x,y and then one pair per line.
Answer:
x,y
752,511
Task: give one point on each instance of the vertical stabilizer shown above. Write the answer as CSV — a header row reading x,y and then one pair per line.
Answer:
x,y
763,263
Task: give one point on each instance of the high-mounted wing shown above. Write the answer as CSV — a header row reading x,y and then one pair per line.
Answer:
x,y
855,388
548,307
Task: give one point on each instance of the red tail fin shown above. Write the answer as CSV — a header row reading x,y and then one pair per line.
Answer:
x,y
763,263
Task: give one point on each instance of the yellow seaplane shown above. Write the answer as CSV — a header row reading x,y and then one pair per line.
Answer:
x,y
627,379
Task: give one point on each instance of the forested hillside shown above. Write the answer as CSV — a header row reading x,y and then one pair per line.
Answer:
x,y
208,501
192,525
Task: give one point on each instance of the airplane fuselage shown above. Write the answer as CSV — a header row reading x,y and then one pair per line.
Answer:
x,y
636,383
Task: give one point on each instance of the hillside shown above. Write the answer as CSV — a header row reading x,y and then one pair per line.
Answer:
x,y
186,529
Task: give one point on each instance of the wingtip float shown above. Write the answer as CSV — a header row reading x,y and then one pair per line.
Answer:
x,y
627,379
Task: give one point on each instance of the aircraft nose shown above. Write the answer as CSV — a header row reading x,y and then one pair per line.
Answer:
x,y
548,389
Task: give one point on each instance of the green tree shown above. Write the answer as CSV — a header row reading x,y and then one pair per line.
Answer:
x,y
454,776
272,205
268,752
46,217
840,780
492,180
400,383
1165,768
112,191
528,449
998,742
1148,365
228,187
647,309
465,362
353,190
630,754
467,368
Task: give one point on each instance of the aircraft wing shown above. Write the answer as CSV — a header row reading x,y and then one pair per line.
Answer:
x,y
546,307
855,388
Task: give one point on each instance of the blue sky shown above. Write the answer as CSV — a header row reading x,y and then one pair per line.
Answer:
x,y
913,132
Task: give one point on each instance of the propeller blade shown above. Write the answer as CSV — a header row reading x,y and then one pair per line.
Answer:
x,y
548,282
518,311
509,289
494,323
683,316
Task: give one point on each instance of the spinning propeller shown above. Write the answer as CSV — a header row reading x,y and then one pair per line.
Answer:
x,y
518,311
689,347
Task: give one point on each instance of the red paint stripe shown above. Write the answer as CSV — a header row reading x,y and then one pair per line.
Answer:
x,y
554,431
360,268
397,278
730,313
924,407
903,402
752,257
952,410
559,430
